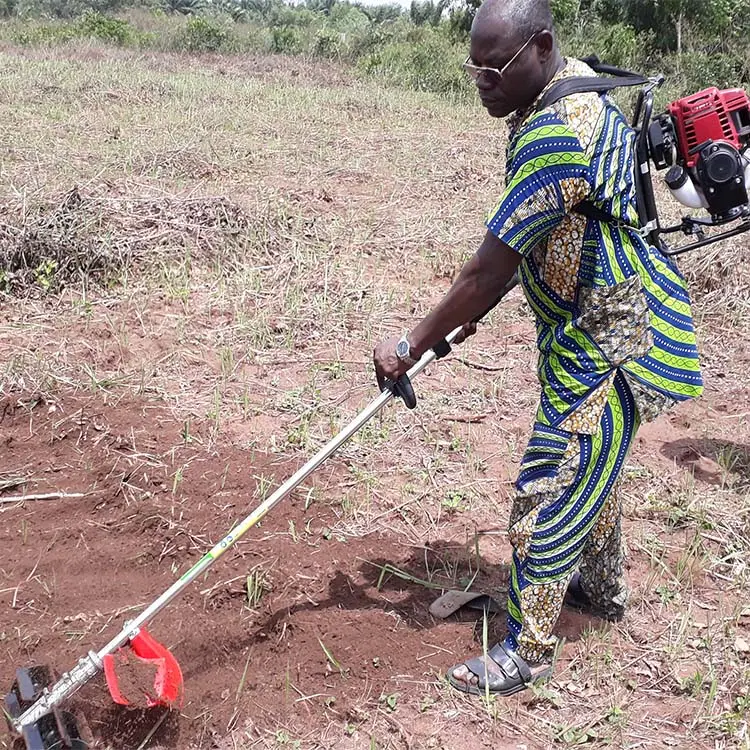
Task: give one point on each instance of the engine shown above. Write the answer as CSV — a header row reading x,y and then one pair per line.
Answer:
x,y
704,141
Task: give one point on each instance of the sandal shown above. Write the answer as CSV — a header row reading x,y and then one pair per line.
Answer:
x,y
453,601
501,672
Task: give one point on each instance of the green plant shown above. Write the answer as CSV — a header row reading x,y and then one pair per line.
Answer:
x,y
454,501
184,7
203,35
425,60
286,39
390,701
111,30
44,273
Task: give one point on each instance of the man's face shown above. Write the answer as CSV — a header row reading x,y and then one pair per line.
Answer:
x,y
495,45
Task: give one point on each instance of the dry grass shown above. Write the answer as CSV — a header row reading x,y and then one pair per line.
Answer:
x,y
266,233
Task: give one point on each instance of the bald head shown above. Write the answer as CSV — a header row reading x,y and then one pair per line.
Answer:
x,y
516,39
522,17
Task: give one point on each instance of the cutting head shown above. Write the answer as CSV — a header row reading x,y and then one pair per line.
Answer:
x,y
58,730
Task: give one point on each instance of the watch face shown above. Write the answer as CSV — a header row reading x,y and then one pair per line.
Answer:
x,y
402,348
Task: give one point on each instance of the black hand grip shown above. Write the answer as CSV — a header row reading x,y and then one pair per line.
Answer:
x,y
402,388
441,349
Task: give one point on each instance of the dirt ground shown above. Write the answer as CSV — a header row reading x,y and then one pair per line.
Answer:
x,y
161,409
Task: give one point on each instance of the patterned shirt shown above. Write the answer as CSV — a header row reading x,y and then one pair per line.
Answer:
x,y
604,300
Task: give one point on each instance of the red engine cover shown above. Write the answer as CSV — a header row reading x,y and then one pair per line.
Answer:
x,y
718,115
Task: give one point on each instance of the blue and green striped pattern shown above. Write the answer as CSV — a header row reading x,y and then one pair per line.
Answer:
x,y
563,525
549,170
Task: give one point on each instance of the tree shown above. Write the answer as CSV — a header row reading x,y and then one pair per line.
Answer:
x,y
427,12
462,16
185,7
668,19
381,13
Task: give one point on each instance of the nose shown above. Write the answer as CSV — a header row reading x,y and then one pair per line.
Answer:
x,y
484,82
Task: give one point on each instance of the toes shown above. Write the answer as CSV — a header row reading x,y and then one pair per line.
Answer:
x,y
463,674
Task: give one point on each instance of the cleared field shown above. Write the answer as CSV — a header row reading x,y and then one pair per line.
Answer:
x,y
225,239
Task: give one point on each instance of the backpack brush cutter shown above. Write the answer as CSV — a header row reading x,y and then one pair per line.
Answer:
x,y
702,140
33,705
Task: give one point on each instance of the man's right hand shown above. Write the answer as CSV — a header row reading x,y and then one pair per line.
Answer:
x,y
468,329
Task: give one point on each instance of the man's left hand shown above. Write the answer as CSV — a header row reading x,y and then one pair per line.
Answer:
x,y
387,364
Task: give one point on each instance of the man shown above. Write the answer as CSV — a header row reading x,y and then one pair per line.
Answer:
x,y
614,332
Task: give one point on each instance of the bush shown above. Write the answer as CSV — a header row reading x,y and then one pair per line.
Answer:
x,y
693,71
426,61
328,44
617,44
33,34
107,29
286,39
203,35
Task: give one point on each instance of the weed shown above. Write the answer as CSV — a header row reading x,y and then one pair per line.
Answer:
x,y
455,501
332,661
390,701
256,585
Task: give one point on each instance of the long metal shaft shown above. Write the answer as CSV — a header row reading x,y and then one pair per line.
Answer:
x,y
91,664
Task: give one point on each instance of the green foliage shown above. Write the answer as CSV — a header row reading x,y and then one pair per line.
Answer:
x,y
348,20
461,17
328,44
565,11
204,35
426,60
617,43
113,30
184,7
63,9
46,33
693,71
379,14
231,8
696,43
8,8
286,39
427,12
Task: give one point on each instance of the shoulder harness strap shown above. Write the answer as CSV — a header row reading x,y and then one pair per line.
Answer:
x,y
615,78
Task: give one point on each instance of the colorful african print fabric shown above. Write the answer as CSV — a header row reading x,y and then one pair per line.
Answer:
x,y
604,300
566,515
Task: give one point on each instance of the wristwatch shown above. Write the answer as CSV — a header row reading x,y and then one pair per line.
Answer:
x,y
403,351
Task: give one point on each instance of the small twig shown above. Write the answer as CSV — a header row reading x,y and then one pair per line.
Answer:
x,y
43,496
153,730
466,418
241,686
8,482
480,366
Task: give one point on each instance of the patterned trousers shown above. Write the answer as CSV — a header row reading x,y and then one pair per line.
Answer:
x,y
566,516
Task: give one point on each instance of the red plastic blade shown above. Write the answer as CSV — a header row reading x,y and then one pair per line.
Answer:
x,y
143,673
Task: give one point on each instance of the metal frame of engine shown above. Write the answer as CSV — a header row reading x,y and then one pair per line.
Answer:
x,y
647,211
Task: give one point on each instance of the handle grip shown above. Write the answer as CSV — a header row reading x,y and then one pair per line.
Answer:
x,y
402,389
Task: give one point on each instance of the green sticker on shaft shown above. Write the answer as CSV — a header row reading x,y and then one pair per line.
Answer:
x,y
207,557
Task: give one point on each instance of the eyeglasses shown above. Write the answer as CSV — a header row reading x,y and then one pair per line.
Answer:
x,y
474,71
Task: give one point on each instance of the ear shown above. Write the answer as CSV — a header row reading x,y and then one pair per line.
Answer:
x,y
545,44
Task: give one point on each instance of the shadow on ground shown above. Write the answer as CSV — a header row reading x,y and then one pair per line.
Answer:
x,y
709,459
